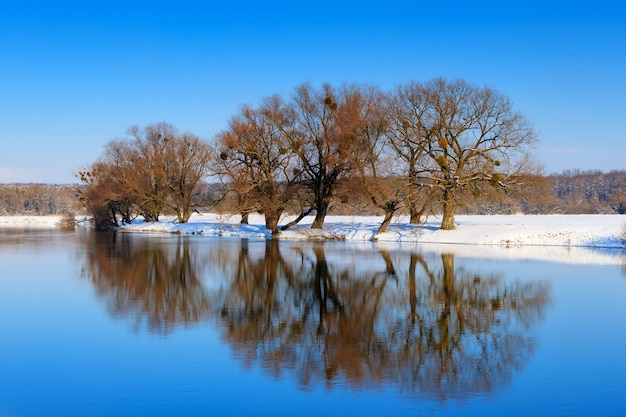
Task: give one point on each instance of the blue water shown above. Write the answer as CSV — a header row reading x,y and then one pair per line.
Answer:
x,y
93,324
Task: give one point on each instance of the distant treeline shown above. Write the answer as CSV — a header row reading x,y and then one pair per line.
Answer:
x,y
570,192
594,192
38,199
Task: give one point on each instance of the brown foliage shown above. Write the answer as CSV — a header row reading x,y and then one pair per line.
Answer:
x,y
257,161
157,169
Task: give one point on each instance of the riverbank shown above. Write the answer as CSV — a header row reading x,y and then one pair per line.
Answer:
x,y
517,230
581,239
600,231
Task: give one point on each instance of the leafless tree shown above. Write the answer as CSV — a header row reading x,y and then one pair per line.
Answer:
x,y
148,155
408,136
156,169
324,138
468,135
187,166
258,161
105,192
374,168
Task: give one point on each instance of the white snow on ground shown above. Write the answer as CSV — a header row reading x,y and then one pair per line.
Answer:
x,y
568,238
31,221
519,230
564,238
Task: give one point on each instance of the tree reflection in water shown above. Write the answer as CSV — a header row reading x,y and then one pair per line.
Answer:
x,y
428,328
330,313
156,285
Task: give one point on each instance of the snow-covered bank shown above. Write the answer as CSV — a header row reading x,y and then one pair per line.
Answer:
x,y
31,221
603,231
566,238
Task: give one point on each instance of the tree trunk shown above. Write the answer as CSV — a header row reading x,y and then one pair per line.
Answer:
x,y
416,212
297,219
389,267
447,223
150,217
183,215
385,224
320,215
415,215
244,217
448,274
271,220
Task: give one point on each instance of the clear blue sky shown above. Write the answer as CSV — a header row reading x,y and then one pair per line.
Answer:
x,y
74,75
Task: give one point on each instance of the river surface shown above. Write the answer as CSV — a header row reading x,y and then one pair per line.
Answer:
x,y
99,324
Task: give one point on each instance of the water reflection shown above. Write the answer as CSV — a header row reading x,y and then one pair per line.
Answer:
x,y
329,314
154,285
425,326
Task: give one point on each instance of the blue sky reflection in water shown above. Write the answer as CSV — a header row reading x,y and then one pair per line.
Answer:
x,y
174,325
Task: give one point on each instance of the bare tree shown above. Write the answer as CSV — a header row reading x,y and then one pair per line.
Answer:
x,y
324,138
186,167
409,136
257,159
373,163
156,169
105,192
148,158
470,135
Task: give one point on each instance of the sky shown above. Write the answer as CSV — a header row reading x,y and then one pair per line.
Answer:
x,y
76,74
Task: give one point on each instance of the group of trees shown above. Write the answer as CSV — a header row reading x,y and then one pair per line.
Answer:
x,y
407,149
590,191
569,192
157,169
438,146
38,199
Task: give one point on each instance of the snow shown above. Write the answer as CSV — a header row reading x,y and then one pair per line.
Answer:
x,y
518,230
568,238
31,221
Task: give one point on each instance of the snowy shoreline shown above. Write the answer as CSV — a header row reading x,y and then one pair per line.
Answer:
x,y
579,239
566,238
39,222
600,231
